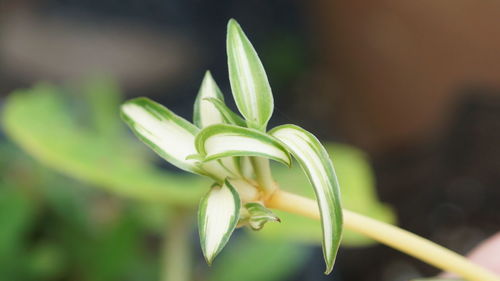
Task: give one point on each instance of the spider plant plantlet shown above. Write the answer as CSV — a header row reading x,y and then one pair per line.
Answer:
x,y
234,151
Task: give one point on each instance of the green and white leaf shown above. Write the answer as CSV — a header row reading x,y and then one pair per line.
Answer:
x,y
314,160
223,140
218,216
249,84
169,135
205,112
229,116
258,215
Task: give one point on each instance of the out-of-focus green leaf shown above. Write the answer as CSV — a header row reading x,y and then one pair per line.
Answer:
x,y
250,259
103,95
40,122
16,218
46,261
357,185
78,229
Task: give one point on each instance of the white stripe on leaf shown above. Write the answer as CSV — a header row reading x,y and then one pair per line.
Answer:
x,y
218,216
249,83
169,135
219,141
316,163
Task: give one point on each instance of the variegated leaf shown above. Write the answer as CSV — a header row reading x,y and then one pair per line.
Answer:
x,y
249,84
205,112
169,135
258,215
218,216
316,163
219,141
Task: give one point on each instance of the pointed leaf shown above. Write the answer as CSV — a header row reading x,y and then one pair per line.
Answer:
x,y
248,78
259,215
314,160
229,116
219,141
218,215
169,135
205,113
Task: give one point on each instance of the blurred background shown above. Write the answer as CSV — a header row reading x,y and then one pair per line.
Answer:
x,y
406,92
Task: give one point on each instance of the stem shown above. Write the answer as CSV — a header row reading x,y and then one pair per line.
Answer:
x,y
389,235
176,250
263,175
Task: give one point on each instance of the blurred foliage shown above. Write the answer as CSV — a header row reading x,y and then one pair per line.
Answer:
x,y
56,228
275,260
87,141
53,228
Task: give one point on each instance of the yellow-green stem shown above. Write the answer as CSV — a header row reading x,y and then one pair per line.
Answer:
x,y
389,235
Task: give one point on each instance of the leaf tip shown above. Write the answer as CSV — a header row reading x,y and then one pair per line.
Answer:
x,y
209,259
207,77
207,73
232,23
329,267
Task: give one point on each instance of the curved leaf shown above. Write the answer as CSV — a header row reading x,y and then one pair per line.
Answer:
x,y
169,135
248,78
218,216
359,194
314,160
205,112
219,141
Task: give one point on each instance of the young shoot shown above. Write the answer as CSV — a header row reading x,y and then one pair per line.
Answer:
x,y
234,151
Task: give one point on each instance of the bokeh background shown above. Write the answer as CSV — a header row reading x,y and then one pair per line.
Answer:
x,y
408,92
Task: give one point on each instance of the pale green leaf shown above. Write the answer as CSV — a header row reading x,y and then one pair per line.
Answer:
x,y
219,141
248,78
205,112
218,216
169,135
77,149
314,160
